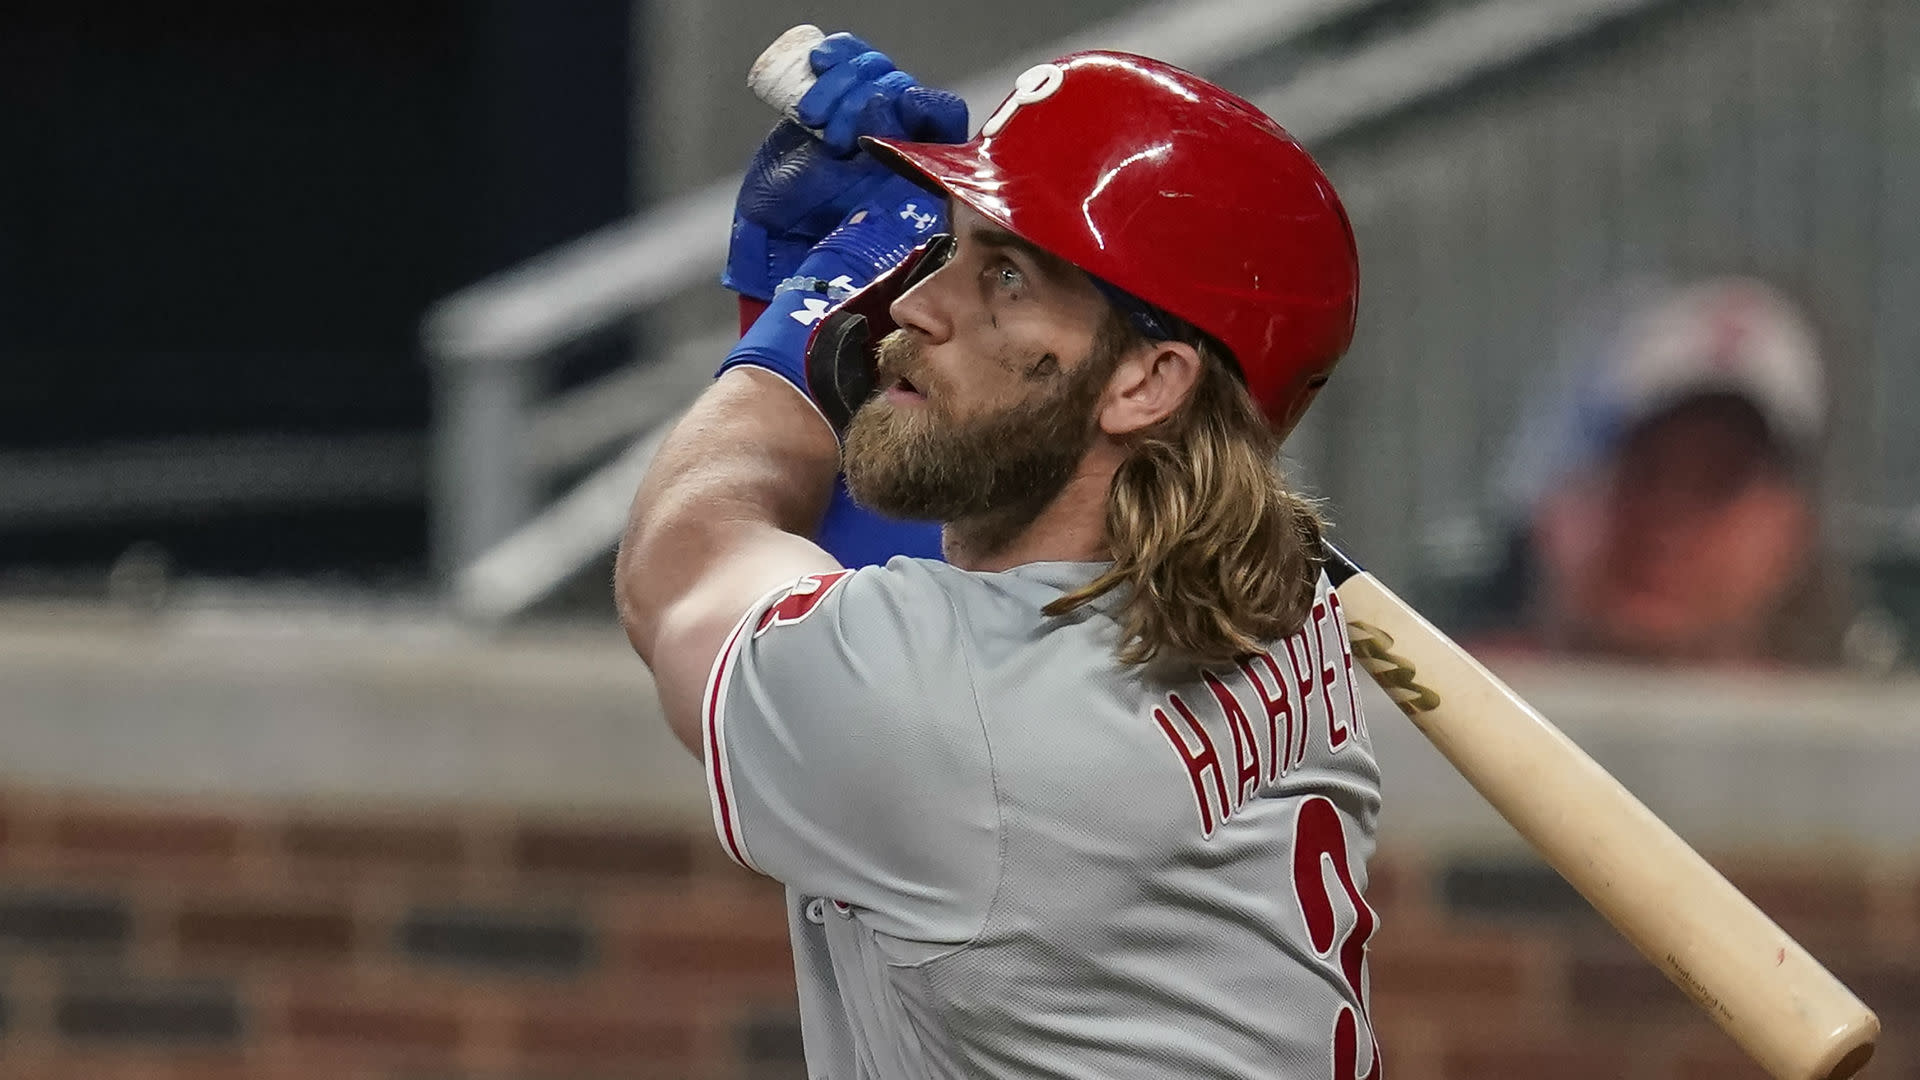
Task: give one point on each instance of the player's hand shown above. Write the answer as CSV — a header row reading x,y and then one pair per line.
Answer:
x,y
859,92
798,187
874,238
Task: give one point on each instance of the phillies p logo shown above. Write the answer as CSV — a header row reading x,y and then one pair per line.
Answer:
x,y
1037,83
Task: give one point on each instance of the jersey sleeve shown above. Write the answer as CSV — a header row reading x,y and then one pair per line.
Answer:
x,y
845,751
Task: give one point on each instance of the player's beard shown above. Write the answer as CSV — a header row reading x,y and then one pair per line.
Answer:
x,y
996,470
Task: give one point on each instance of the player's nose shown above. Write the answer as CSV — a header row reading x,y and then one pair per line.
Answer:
x,y
924,309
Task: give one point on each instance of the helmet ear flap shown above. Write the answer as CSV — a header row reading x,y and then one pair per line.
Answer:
x,y
843,352
840,366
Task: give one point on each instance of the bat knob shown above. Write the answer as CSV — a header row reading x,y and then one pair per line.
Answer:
x,y
782,75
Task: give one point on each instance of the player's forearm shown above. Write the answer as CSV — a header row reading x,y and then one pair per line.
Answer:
x,y
750,458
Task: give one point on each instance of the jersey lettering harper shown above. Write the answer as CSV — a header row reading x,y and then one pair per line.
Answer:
x,y
1008,856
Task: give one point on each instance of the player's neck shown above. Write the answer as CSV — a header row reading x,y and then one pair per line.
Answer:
x,y
1070,528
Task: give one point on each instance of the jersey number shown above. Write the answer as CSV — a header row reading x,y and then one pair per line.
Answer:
x,y
806,594
1319,840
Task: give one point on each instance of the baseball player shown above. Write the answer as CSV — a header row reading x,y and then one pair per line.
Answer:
x,y
1093,797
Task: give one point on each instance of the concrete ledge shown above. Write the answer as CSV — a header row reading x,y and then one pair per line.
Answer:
x,y
402,713
322,708
1750,760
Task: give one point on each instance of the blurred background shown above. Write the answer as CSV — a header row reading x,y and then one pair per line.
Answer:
x,y
336,337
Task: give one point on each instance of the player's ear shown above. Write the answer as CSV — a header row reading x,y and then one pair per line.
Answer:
x,y
1148,385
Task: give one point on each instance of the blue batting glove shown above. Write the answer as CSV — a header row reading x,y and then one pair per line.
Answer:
x,y
859,92
873,239
798,187
859,537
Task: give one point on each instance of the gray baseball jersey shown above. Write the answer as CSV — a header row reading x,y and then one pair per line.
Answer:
x,y
1007,855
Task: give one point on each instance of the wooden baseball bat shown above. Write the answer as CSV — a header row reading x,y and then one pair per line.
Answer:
x,y
782,75
1785,1010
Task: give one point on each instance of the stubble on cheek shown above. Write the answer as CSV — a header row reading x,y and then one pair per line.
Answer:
x,y
1046,367
1028,367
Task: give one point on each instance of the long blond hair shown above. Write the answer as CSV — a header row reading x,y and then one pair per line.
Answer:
x,y
1216,557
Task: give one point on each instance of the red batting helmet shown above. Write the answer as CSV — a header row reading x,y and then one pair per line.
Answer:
x,y
1175,191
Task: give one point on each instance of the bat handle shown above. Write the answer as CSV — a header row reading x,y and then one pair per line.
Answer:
x,y
1336,563
783,73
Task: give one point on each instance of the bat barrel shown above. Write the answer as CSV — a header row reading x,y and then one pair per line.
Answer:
x,y
1783,1008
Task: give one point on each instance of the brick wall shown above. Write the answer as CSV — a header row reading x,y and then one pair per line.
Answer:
x,y
156,941
245,941
1492,967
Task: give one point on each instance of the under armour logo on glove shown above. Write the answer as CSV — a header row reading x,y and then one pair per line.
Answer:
x,y
813,308
922,221
812,311
872,241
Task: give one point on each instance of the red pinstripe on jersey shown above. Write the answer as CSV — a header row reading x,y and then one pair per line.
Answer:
x,y
726,821
783,606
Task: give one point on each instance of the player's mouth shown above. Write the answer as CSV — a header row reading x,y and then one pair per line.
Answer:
x,y
904,392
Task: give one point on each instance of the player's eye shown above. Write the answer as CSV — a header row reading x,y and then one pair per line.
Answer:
x,y
1005,275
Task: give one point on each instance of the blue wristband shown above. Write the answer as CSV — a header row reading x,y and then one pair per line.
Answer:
x,y
777,340
850,257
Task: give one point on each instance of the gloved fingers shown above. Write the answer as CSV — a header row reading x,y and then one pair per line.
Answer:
x,y
774,191
816,106
783,142
836,49
875,112
931,115
877,234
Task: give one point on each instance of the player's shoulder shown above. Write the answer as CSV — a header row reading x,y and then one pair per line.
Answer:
x,y
922,603
906,580
1000,604
901,606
